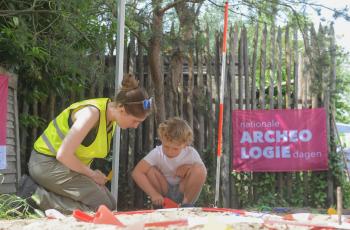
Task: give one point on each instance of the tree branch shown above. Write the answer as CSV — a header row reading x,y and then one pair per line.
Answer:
x,y
173,4
47,27
10,13
82,34
239,13
137,35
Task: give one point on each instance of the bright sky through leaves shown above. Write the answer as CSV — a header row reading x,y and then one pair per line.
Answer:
x,y
341,26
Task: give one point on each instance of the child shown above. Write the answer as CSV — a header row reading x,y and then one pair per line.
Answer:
x,y
173,169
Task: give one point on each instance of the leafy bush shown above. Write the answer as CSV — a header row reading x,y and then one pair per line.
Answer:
x,y
14,207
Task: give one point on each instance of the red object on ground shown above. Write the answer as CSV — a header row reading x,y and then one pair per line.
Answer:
x,y
80,215
288,217
102,216
105,216
169,203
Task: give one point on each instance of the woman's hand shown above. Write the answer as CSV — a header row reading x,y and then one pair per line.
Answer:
x,y
157,199
98,177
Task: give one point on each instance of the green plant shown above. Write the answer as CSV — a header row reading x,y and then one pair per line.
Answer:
x,y
14,207
30,121
206,197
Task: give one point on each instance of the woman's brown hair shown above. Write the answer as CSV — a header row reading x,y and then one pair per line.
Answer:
x,y
132,96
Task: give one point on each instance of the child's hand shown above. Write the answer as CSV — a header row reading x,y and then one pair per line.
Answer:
x,y
183,170
99,177
157,199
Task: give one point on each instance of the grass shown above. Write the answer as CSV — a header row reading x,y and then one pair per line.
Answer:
x,y
14,207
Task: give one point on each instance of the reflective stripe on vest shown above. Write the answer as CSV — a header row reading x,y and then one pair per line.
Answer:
x,y
48,143
58,130
46,140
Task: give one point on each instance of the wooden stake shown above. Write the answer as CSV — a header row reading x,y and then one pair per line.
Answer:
x,y
339,204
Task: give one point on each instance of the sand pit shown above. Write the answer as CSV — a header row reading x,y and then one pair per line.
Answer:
x,y
189,218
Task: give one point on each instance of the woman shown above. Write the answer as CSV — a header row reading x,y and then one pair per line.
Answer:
x,y
59,163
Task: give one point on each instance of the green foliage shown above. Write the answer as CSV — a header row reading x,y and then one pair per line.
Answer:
x,y
206,198
53,50
30,121
345,185
13,207
298,192
342,94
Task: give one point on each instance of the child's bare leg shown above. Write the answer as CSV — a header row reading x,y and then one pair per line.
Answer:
x,y
157,180
192,184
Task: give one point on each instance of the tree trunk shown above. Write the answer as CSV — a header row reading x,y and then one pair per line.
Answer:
x,y
155,60
176,80
187,16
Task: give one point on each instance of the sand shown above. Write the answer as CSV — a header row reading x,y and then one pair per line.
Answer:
x,y
192,218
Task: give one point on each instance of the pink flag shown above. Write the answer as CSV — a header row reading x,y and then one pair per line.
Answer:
x,y
279,140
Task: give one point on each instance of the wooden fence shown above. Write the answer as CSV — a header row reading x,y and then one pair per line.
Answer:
x,y
280,72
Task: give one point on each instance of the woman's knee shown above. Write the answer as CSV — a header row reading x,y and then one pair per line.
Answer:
x,y
111,204
104,199
112,201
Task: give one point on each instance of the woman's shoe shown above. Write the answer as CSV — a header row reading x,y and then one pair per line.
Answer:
x,y
26,187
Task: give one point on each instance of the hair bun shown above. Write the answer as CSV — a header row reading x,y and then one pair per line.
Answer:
x,y
129,83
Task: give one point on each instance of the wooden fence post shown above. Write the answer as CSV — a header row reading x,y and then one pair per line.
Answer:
x,y
233,93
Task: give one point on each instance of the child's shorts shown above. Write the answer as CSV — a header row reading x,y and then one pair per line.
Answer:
x,y
174,193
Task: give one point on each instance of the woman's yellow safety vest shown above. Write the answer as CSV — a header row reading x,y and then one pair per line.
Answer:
x,y
51,139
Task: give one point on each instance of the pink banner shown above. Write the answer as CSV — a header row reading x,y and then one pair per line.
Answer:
x,y
280,140
3,119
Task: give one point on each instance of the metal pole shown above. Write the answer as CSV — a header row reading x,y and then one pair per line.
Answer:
x,y
118,80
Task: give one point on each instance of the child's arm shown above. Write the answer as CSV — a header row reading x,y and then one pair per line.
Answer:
x,y
139,175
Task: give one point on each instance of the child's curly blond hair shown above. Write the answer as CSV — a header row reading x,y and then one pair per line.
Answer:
x,y
176,130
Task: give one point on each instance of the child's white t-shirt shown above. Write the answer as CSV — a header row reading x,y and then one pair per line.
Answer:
x,y
168,166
